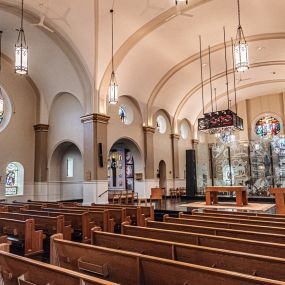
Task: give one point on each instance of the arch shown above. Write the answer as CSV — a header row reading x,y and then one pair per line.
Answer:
x,y
63,93
63,41
232,91
124,160
66,185
214,78
162,82
126,47
14,184
162,174
166,114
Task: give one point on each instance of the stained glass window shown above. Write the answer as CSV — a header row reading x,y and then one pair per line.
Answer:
x,y
267,127
122,114
12,176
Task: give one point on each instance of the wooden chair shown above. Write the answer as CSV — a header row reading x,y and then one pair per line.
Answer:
x,y
156,195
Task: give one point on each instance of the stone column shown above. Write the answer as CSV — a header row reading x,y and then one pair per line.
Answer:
x,y
40,166
150,179
41,136
148,150
95,158
175,155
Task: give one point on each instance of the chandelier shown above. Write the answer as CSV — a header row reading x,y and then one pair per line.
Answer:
x,y
113,90
21,49
241,47
223,121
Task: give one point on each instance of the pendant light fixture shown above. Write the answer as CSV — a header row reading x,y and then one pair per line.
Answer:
x,y
181,2
241,47
21,49
219,121
113,91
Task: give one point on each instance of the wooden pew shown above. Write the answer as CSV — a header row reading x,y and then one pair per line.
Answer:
x,y
15,208
239,215
221,242
116,215
257,265
80,222
234,220
226,225
243,234
133,268
56,204
99,217
246,213
49,225
136,213
23,233
17,270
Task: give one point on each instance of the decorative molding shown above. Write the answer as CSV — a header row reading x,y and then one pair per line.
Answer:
x,y
95,117
195,142
175,136
147,129
41,128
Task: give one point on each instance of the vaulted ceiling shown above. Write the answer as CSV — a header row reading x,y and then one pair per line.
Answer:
x,y
156,49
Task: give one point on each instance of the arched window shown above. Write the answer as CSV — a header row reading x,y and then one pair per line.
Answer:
x,y
14,179
267,127
161,125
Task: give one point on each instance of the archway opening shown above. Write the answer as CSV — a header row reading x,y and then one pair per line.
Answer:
x,y
125,167
66,173
162,174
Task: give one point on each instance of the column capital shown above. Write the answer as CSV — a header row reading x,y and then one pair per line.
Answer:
x,y
95,117
148,129
175,136
195,142
41,128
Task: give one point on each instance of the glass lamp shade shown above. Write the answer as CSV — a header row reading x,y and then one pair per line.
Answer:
x,y
113,91
241,56
21,59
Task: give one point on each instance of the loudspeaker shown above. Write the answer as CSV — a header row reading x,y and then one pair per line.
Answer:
x,y
191,178
100,155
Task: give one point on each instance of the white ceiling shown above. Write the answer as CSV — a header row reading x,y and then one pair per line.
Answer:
x,y
158,66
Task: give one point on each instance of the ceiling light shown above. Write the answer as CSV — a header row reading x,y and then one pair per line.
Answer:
x,y
21,49
113,91
240,48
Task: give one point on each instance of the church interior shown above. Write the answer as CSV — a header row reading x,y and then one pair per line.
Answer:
x,y
142,142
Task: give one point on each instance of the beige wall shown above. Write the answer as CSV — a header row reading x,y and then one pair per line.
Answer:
x,y
17,139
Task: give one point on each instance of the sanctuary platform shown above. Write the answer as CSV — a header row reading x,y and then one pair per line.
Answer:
x,y
231,206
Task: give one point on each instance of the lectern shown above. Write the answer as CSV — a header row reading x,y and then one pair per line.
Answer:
x,y
279,199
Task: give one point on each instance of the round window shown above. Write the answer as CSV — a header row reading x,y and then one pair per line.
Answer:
x,y
126,114
5,109
267,127
161,124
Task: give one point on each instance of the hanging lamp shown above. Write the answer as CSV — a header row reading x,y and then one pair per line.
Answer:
x,y
21,48
113,91
240,47
219,121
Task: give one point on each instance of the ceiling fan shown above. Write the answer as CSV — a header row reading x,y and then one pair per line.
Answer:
x,y
42,25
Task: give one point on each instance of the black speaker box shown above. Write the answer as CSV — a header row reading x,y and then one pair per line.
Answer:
x,y
100,155
191,178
